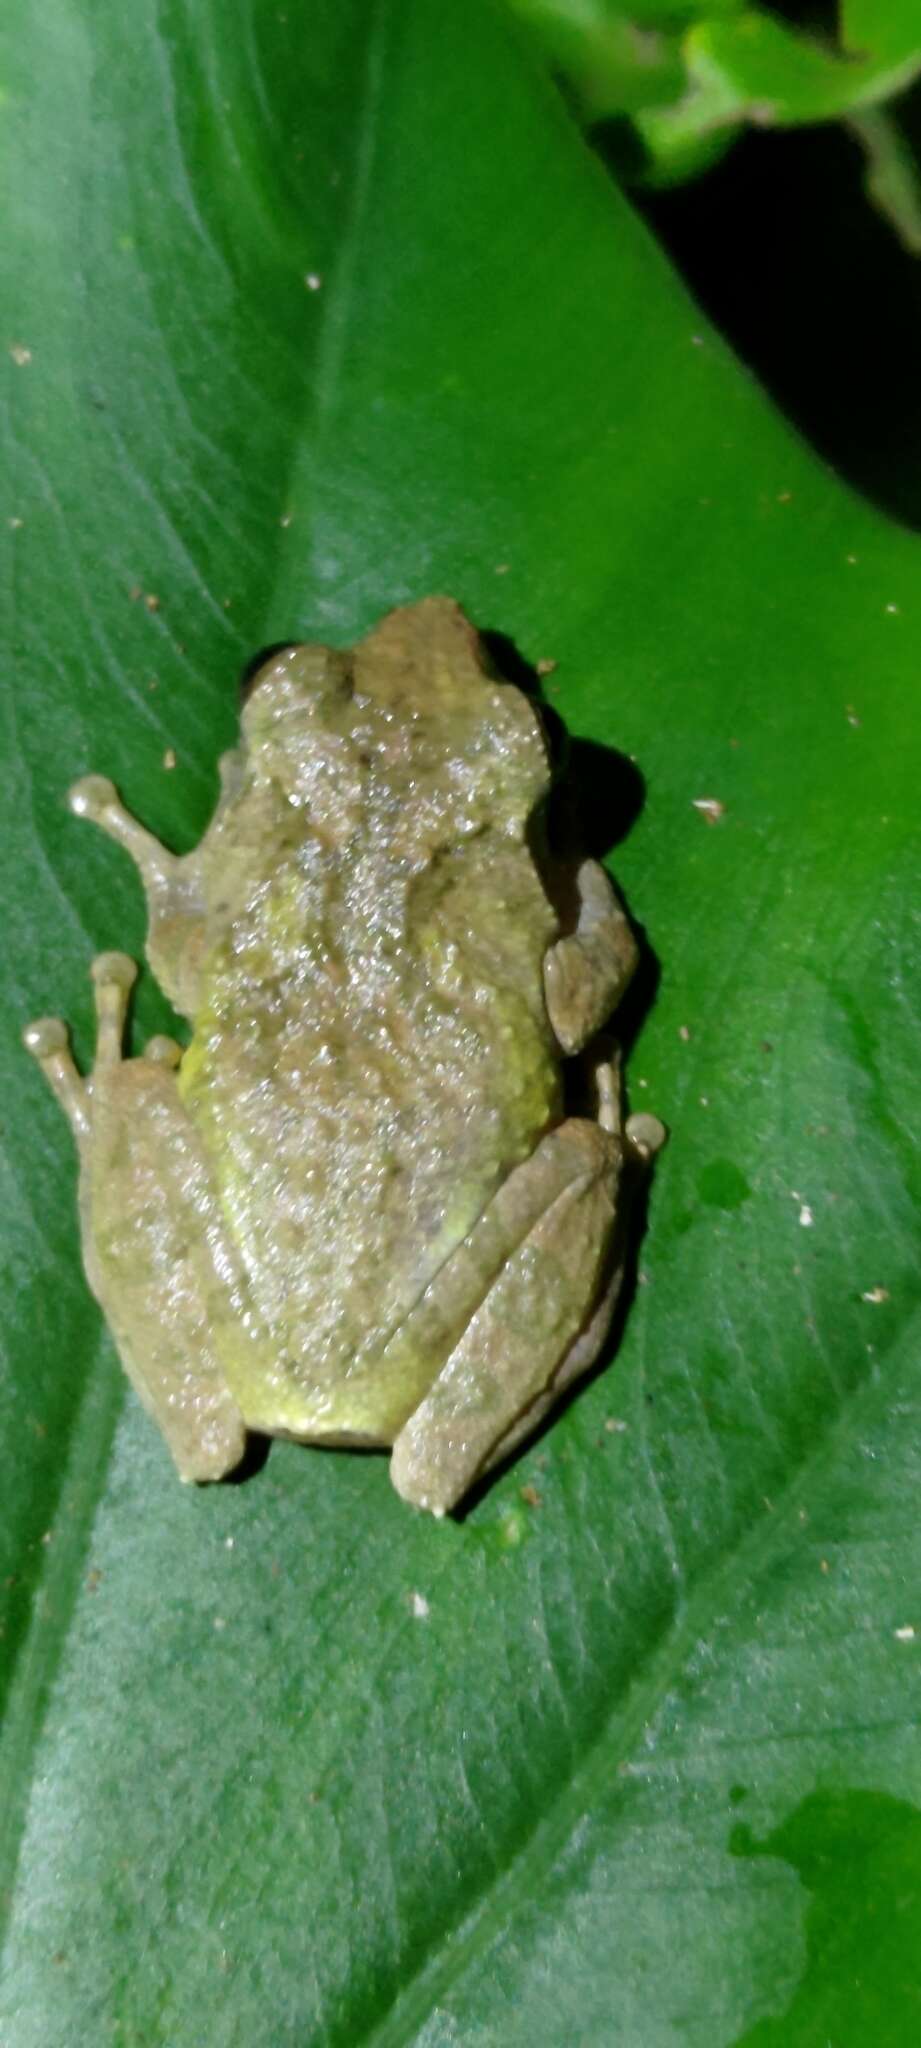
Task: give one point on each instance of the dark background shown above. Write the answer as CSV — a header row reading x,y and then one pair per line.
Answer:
x,y
813,289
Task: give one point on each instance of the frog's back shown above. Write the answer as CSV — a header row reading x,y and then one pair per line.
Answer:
x,y
373,1052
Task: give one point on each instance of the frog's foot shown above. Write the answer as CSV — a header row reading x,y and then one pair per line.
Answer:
x,y
96,798
172,887
587,971
153,1243
48,1041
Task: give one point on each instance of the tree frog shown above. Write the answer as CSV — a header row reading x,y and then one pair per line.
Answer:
x,y
354,1210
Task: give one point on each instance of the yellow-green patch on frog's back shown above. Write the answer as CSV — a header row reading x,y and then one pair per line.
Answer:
x,y
356,1134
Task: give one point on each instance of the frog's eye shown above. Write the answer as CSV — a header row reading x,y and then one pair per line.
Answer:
x,y
249,676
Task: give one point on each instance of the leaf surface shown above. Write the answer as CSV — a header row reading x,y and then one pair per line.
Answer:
x,y
316,311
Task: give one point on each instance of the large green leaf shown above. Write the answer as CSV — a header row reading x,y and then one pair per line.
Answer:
x,y
641,1763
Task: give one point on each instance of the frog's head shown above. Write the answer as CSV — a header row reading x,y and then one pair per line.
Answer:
x,y
473,747
448,745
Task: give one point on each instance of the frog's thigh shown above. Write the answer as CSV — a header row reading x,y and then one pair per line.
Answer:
x,y
645,1136
579,1359
152,1235
541,1299
586,973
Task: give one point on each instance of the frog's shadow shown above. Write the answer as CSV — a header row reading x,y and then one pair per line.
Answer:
x,y
596,798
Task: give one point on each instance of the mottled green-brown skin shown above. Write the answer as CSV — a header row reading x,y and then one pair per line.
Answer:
x,y
372,1053
354,1211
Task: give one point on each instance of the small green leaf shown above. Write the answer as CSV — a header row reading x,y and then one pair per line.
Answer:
x,y
887,30
892,179
687,77
778,77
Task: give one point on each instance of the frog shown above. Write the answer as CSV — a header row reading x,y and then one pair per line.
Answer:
x,y
356,1208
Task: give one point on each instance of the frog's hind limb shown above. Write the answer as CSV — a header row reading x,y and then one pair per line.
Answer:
x,y
150,1227
552,1244
644,1136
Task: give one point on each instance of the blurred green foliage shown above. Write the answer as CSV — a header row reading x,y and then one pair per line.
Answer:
x,y
684,79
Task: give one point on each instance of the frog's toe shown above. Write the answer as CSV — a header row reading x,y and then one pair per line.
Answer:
x,y
92,797
645,1134
166,1052
45,1036
114,976
48,1042
117,968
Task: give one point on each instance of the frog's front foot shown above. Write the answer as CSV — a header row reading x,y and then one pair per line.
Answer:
x,y
171,886
150,1225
